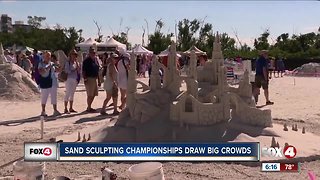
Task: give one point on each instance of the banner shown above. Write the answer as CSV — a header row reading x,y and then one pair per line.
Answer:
x,y
154,152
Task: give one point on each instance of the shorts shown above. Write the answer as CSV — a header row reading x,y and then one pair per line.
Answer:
x,y
91,87
260,81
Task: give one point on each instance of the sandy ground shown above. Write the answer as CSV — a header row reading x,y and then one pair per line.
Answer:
x,y
296,101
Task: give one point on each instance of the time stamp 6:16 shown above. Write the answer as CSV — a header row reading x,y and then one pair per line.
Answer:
x,y
280,167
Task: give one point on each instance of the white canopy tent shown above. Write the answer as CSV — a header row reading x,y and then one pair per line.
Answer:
x,y
166,53
85,46
139,49
112,43
196,50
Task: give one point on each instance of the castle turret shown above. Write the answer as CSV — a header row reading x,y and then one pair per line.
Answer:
x,y
132,84
2,57
192,83
155,80
217,58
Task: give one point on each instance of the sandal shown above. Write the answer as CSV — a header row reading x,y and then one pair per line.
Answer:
x,y
72,111
66,111
91,110
103,113
115,113
269,103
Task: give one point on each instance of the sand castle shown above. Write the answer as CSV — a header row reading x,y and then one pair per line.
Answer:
x,y
155,112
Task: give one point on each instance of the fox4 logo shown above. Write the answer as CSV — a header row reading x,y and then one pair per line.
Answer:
x,y
277,152
41,151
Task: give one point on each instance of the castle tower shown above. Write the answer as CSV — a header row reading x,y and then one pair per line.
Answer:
x,y
192,83
172,79
217,58
132,84
193,65
2,57
155,81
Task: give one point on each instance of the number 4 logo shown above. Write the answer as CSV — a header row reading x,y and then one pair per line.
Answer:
x,y
290,152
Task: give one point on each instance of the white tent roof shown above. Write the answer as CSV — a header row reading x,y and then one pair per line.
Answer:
x,y
113,43
87,44
166,52
196,50
139,49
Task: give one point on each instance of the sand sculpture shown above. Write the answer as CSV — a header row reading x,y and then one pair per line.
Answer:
x,y
155,112
15,82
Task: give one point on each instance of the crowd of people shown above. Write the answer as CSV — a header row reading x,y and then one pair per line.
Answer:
x,y
109,69
112,71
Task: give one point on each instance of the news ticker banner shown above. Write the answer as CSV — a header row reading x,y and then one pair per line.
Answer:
x,y
141,152
280,167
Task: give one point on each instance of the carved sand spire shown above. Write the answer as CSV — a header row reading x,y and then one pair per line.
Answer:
x,y
273,142
2,57
84,138
79,137
132,84
155,80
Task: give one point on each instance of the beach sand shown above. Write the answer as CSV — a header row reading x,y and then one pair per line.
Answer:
x,y
296,100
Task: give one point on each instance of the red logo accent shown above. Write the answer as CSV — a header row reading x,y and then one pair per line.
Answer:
x,y
290,152
47,151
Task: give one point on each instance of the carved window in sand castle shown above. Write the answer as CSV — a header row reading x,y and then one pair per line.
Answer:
x,y
188,105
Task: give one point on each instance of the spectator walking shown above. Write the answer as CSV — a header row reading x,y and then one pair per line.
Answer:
x,y
90,73
110,85
72,68
48,83
123,66
261,78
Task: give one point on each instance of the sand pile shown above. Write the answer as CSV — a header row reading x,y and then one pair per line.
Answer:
x,y
16,84
310,69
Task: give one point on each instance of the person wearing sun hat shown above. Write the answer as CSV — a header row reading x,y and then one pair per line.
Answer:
x,y
123,66
110,85
72,68
261,77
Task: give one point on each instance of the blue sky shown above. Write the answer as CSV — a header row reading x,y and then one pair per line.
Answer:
x,y
247,18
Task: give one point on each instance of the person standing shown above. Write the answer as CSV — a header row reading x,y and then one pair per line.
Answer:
x,y
48,84
35,62
123,67
110,85
280,67
271,66
261,78
26,63
72,68
90,73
